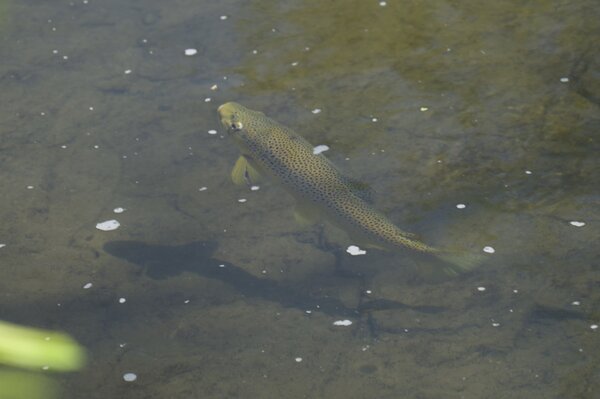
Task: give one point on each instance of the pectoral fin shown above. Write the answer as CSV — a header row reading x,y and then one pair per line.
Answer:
x,y
244,173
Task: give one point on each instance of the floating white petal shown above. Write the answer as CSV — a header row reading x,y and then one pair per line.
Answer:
x,y
191,51
108,225
320,148
489,250
354,250
344,323
119,210
577,224
129,377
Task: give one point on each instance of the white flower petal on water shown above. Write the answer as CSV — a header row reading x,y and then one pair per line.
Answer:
x,y
298,359
87,286
354,250
343,323
576,223
316,110
461,206
190,51
489,250
129,377
119,210
108,225
320,148
564,80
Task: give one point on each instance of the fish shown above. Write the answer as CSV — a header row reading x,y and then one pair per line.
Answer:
x,y
321,190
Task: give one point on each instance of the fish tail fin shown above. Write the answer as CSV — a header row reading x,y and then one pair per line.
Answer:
x,y
458,262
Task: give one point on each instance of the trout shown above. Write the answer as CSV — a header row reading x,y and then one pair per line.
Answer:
x,y
321,191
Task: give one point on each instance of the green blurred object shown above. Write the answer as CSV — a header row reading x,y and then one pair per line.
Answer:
x,y
23,385
34,349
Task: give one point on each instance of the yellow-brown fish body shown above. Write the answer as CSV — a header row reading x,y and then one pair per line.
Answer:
x,y
320,189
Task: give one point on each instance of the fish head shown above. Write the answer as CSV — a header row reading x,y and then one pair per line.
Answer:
x,y
240,121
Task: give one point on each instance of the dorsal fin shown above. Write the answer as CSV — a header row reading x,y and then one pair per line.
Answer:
x,y
360,189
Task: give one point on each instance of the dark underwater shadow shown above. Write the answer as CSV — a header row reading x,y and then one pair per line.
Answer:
x,y
163,261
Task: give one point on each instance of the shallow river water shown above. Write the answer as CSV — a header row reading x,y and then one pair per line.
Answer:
x,y
475,122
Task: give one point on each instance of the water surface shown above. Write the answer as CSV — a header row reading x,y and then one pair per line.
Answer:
x,y
434,103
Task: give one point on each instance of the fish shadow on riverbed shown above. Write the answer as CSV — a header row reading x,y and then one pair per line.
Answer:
x,y
163,261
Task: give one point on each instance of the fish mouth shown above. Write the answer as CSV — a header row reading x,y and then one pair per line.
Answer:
x,y
226,112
